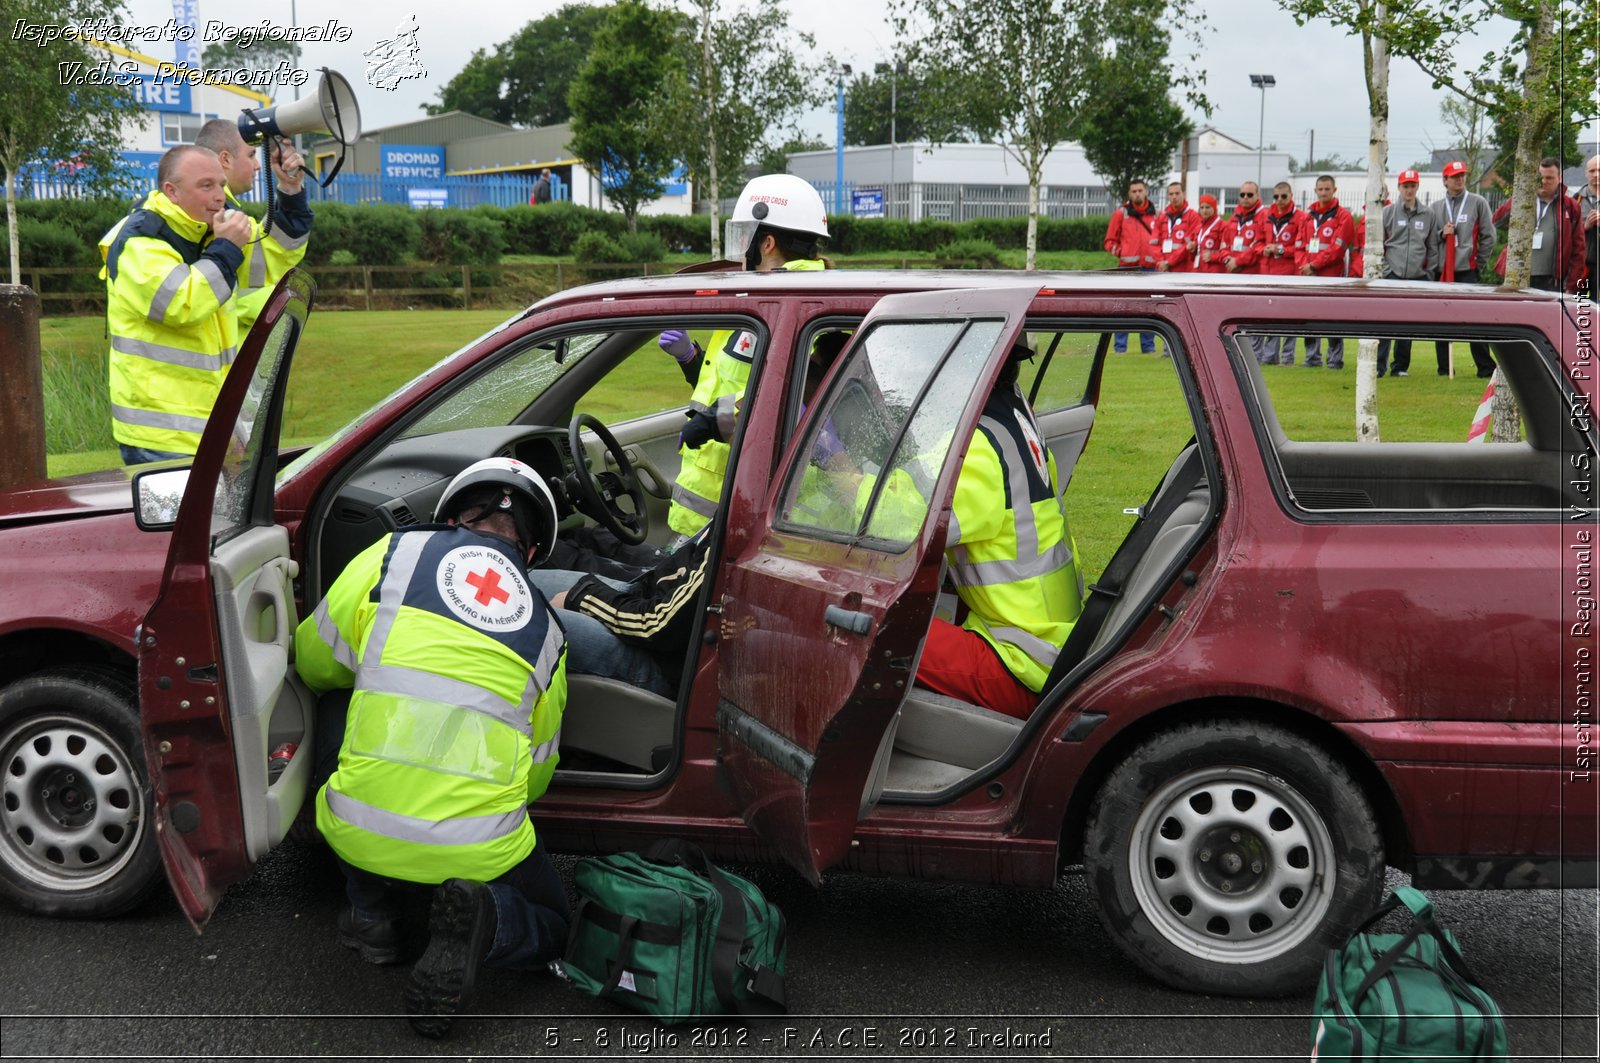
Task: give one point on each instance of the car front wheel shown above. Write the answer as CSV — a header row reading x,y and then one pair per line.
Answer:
x,y
76,833
1229,856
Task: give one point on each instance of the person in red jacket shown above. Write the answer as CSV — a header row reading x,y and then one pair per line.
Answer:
x,y
1131,237
1284,229
1557,264
1211,238
1175,231
1244,246
1329,234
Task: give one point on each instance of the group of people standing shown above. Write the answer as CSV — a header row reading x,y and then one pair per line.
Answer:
x,y
1450,241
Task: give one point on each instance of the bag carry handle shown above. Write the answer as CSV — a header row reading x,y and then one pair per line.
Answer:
x,y
1422,922
765,983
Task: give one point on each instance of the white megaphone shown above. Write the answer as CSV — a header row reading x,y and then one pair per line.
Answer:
x,y
333,110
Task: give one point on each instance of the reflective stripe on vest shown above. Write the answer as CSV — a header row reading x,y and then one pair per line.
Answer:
x,y
464,830
328,632
152,419
159,352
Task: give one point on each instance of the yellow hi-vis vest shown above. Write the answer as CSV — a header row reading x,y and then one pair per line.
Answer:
x,y
459,670
172,323
267,258
723,378
1010,548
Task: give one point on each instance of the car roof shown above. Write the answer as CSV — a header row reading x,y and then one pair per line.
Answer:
x,y
854,281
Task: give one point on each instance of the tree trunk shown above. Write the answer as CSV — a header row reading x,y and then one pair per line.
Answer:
x,y
1375,57
1033,212
15,239
1537,117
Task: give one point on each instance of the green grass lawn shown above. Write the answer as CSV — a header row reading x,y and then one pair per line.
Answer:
x,y
349,361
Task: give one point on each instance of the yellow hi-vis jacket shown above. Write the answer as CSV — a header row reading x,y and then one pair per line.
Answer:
x,y
459,670
723,378
267,258
172,322
1010,547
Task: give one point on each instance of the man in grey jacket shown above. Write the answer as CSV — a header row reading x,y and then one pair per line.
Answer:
x,y
1466,225
1411,252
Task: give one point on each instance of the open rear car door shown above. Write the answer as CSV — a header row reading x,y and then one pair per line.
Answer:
x,y
824,614
217,690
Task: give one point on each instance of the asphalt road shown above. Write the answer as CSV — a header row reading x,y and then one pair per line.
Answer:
x,y
877,970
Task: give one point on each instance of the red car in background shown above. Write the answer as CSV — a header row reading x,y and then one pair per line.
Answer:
x,y
1320,657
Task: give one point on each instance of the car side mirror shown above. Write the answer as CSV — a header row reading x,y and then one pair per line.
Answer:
x,y
157,493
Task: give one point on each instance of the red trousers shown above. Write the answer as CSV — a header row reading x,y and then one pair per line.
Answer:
x,y
959,663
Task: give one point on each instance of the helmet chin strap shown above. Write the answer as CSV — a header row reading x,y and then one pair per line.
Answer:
x,y
752,254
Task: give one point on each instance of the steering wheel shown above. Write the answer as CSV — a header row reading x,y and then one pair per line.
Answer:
x,y
600,494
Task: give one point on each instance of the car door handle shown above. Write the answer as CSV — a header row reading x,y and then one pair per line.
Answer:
x,y
849,619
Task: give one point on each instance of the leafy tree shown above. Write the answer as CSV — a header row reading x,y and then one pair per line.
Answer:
x,y
617,127
1030,96
871,99
43,120
742,89
1330,163
261,55
524,79
776,159
1131,124
1468,123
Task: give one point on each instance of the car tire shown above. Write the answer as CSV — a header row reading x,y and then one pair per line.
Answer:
x,y
1228,856
77,831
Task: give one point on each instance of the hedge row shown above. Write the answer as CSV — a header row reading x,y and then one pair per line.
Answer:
x,y
65,232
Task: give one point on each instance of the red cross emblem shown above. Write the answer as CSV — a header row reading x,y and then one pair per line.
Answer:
x,y
1038,454
744,342
488,584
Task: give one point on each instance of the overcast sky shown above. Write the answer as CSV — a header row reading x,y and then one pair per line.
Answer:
x,y
1318,69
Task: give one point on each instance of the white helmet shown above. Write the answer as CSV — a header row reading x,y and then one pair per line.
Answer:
x,y
508,484
777,201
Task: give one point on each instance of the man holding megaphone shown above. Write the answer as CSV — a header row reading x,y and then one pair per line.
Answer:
x,y
171,271
271,253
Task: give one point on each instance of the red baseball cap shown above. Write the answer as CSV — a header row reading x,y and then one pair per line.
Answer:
x,y
1411,177
1453,168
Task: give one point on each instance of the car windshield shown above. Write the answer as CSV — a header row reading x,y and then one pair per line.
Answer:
x,y
293,468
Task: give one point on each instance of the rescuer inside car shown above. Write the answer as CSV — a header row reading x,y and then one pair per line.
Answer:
x,y
458,666
172,275
1011,557
775,226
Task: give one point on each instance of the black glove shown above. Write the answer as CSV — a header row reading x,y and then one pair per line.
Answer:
x,y
701,429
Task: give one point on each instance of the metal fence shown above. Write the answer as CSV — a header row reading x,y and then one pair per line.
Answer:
x,y
955,202
469,190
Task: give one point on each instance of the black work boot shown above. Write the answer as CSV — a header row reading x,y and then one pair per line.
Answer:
x,y
376,937
460,930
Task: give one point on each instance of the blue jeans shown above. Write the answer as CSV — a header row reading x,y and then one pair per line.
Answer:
x,y
592,648
531,914
1147,342
140,455
1314,352
1275,349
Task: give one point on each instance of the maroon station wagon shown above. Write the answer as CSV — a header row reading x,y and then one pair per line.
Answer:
x,y
1321,657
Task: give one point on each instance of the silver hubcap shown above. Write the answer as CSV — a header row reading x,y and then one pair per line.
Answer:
x,y
1231,864
70,810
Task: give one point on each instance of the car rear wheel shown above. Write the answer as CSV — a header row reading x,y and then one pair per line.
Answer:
x,y
77,836
1228,856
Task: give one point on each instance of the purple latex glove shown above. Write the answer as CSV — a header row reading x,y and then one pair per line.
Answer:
x,y
828,445
677,343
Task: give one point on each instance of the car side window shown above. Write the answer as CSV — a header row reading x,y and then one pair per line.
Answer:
x,y
881,434
1433,454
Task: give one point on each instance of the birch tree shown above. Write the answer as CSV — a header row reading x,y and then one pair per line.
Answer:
x,y
1016,72
741,89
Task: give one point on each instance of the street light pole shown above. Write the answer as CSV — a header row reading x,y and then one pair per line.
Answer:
x,y
838,154
893,70
1262,82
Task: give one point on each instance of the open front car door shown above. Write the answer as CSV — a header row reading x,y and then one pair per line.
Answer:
x,y
217,689
824,614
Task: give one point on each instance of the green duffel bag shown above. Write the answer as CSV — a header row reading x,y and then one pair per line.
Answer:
x,y
666,933
1404,996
